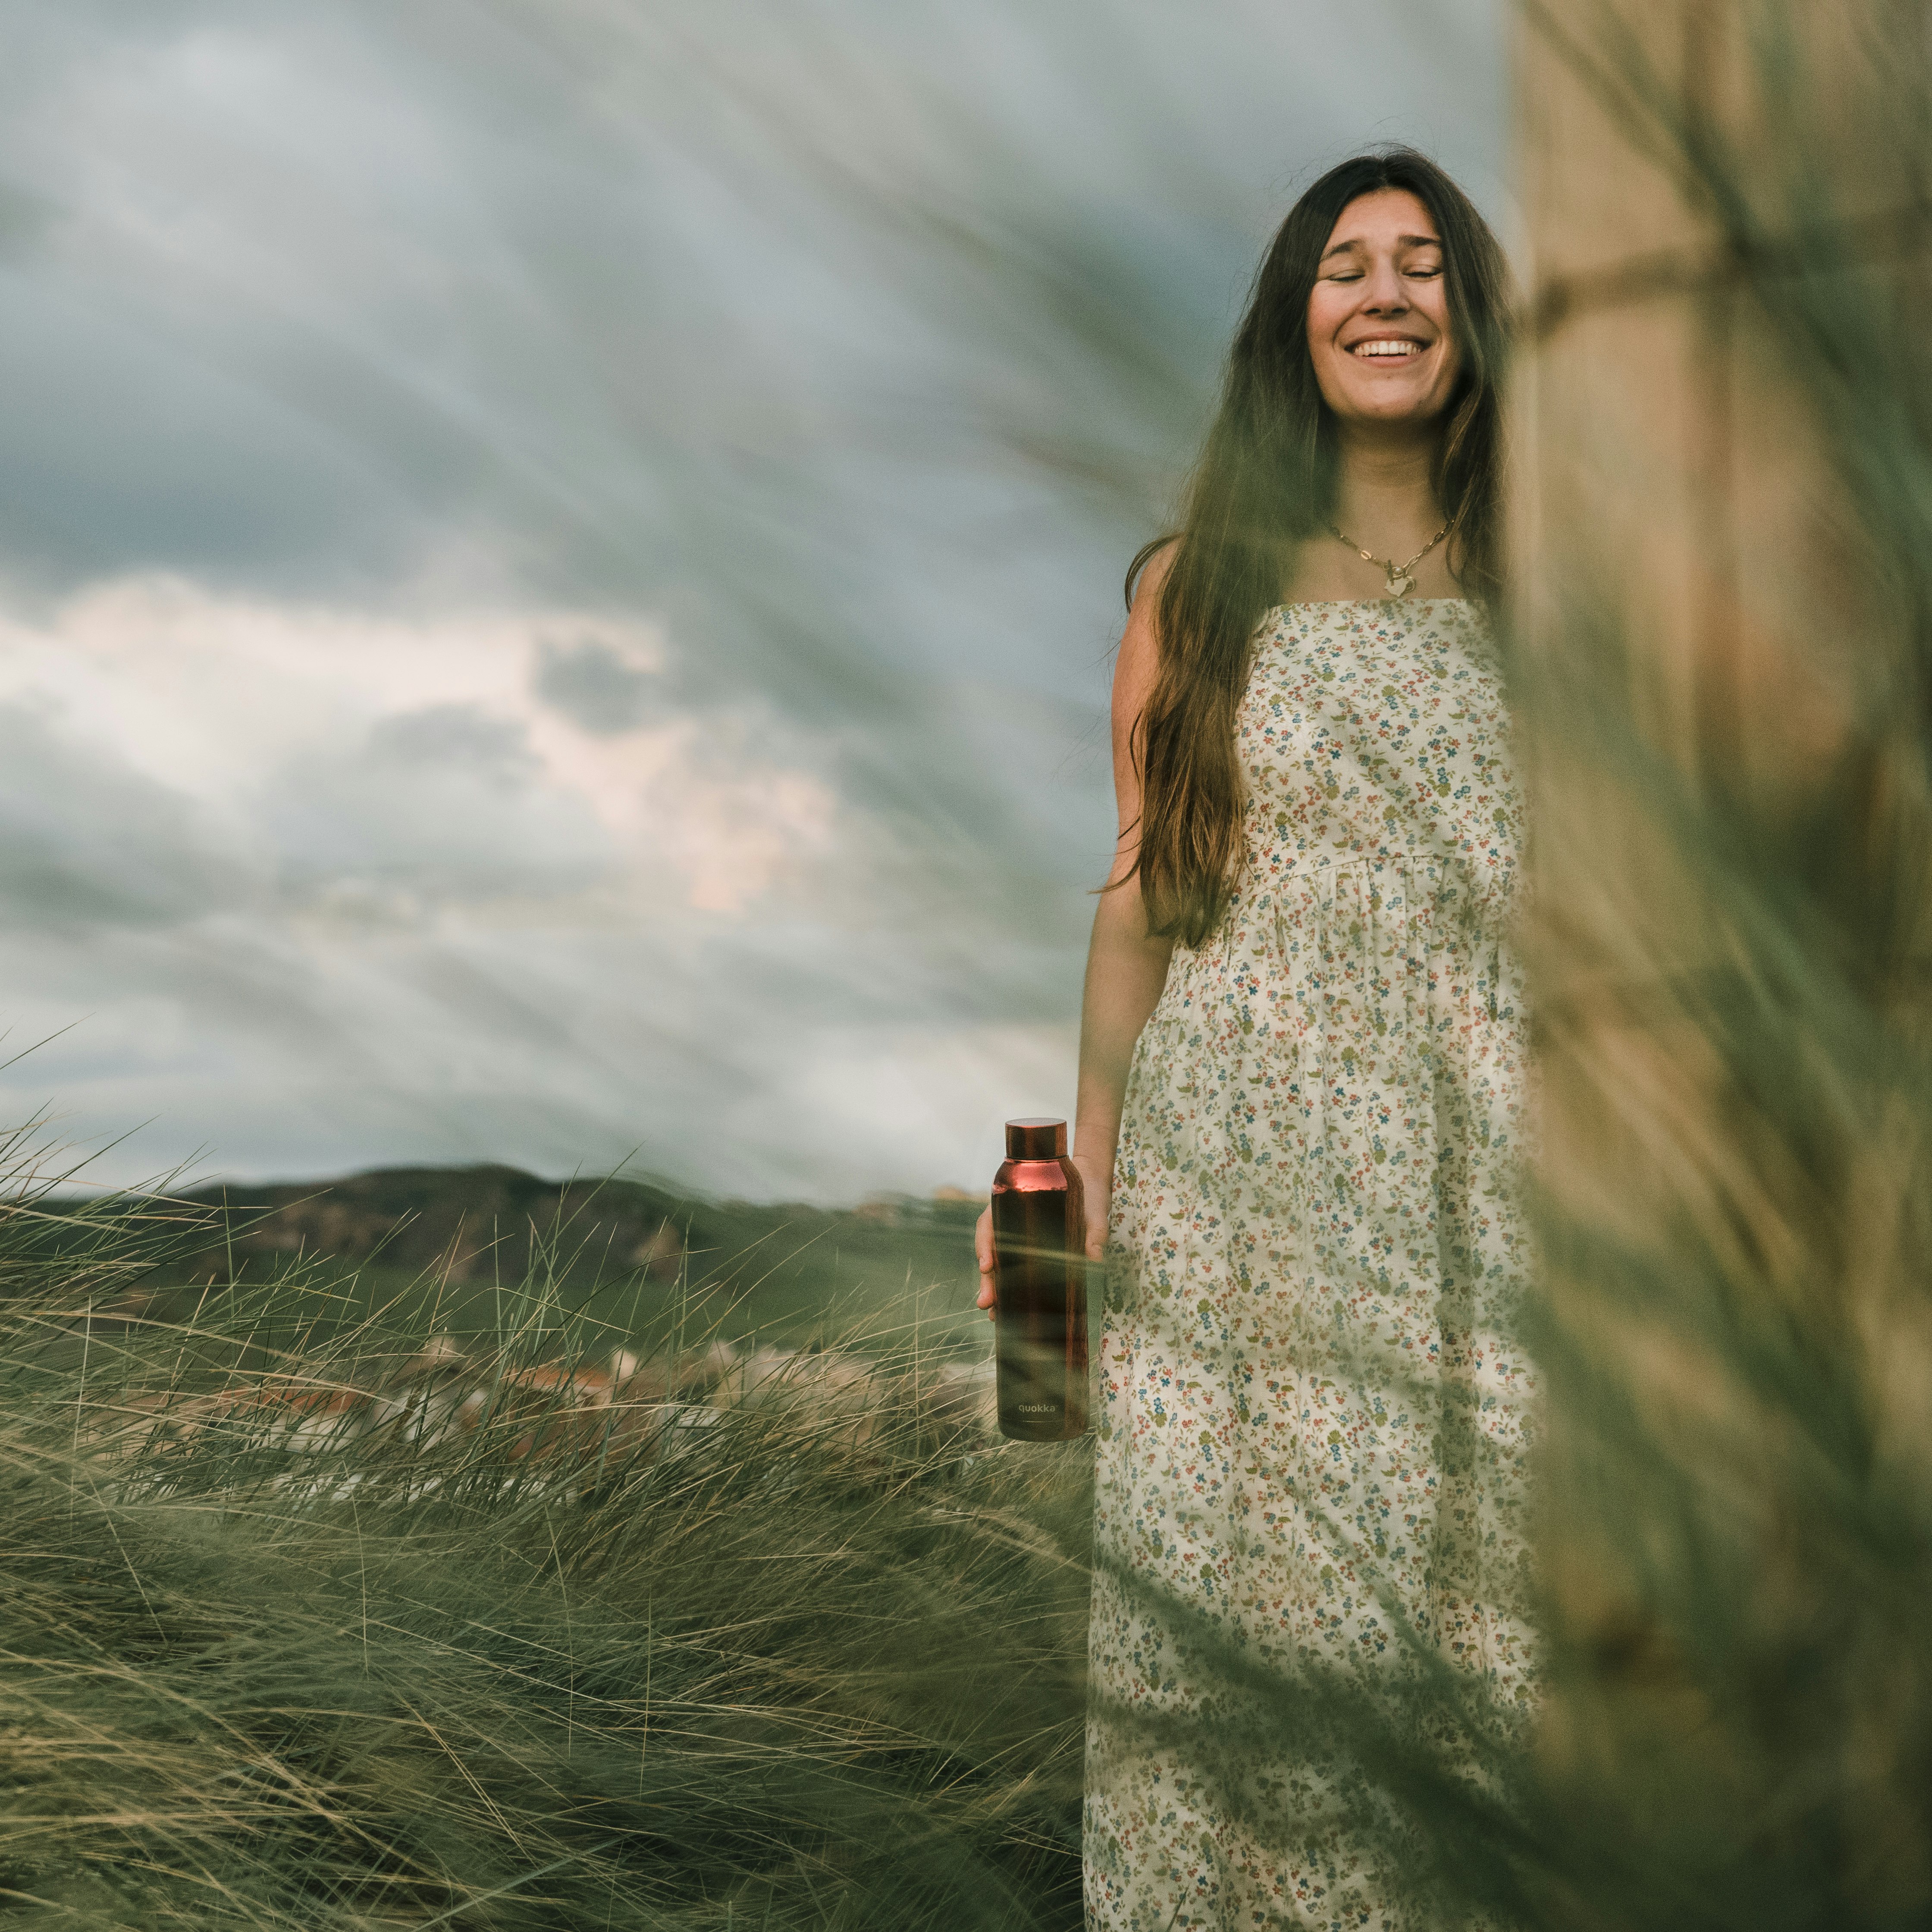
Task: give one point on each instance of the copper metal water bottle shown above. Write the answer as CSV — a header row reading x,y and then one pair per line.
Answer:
x,y
1039,1280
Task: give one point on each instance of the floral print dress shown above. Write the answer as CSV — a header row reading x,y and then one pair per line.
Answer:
x,y
1310,1420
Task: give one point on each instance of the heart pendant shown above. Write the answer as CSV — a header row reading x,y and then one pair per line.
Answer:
x,y
1400,584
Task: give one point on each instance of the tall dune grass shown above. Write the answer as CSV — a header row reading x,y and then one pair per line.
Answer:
x,y
801,1662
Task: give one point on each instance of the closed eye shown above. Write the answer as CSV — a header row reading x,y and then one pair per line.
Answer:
x,y
1422,272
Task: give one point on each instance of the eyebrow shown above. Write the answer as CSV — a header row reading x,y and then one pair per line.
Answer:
x,y
1402,241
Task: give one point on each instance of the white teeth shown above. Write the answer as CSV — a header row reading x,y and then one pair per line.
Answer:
x,y
1385,349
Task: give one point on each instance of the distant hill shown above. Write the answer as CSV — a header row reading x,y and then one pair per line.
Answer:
x,y
780,1268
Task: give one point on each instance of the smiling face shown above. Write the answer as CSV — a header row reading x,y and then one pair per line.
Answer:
x,y
1378,330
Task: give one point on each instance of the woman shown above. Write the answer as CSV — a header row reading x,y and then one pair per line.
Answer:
x,y
1301,1065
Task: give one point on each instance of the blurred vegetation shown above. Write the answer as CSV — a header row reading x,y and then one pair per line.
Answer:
x,y
1726,702
1722,660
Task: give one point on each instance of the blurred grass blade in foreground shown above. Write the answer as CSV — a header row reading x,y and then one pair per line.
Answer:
x,y
1719,646
1726,511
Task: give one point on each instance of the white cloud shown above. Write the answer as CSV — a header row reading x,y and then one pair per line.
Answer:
x,y
349,752
938,1095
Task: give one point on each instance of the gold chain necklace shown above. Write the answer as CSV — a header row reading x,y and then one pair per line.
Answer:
x,y
1401,576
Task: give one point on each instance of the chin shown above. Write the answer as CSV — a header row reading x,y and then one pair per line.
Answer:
x,y
1418,407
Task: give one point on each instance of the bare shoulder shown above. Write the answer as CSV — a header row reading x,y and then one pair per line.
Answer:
x,y
1136,666
1139,659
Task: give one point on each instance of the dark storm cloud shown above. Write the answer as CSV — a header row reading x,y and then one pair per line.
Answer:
x,y
593,687
438,808
123,452
89,844
496,750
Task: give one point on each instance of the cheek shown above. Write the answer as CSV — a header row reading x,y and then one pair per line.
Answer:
x,y
1327,312
1436,307
1330,364
1332,370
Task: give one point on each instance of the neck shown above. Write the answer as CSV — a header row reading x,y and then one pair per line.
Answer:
x,y
1385,498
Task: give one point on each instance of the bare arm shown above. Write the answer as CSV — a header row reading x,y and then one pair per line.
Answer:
x,y
1126,967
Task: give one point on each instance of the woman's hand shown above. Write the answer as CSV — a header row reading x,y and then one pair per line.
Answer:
x,y
1097,1182
983,1244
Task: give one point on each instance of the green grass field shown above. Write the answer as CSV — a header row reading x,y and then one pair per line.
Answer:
x,y
482,1252
815,1662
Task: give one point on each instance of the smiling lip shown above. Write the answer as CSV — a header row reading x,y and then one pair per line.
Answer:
x,y
1386,349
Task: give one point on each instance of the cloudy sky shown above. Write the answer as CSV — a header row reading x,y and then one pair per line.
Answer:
x,y
558,557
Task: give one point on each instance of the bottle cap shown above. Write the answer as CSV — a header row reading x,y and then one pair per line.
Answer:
x,y
1036,1139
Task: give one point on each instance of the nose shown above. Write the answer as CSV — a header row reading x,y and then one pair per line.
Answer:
x,y
1383,293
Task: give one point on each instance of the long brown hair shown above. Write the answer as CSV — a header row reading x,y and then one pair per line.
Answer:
x,y
1266,480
